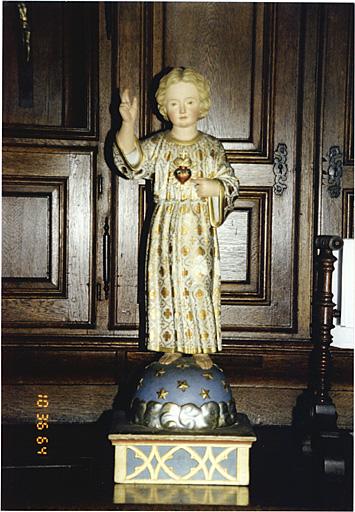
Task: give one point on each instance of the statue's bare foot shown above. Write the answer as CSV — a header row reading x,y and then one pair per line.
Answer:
x,y
203,361
169,358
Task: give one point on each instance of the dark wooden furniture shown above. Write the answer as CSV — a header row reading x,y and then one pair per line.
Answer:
x,y
73,232
315,415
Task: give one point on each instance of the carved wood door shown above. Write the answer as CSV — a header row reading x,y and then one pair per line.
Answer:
x,y
48,210
50,158
336,149
252,54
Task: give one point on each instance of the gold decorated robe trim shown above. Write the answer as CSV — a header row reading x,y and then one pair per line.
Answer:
x,y
183,281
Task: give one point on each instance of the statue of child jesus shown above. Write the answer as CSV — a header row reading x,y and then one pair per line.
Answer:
x,y
194,188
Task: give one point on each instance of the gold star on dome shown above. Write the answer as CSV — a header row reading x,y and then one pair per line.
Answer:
x,y
182,365
205,393
140,383
183,385
160,372
162,393
208,376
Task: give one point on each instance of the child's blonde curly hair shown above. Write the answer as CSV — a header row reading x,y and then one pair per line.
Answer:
x,y
189,75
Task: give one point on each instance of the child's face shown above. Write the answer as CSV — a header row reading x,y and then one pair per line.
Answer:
x,y
182,103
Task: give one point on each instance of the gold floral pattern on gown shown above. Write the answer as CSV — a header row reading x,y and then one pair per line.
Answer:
x,y
183,282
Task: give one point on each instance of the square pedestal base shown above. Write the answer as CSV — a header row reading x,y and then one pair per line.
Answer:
x,y
219,457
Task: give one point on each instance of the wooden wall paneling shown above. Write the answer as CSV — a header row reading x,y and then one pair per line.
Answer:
x,y
306,198
130,66
126,269
100,194
259,81
107,113
349,114
232,45
151,58
62,58
336,119
68,227
129,313
34,219
286,111
124,314
348,180
135,29
348,213
154,46
76,403
16,212
42,112
35,366
280,316
80,42
245,249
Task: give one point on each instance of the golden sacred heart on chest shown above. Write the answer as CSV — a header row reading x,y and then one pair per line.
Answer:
x,y
182,174
183,171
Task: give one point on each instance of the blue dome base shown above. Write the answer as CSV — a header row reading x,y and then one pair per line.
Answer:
x,y
183,396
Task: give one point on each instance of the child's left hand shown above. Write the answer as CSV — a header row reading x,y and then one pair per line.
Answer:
x,y
206,187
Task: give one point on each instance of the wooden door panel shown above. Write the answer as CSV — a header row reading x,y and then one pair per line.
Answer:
x,y
50,83
16,210
279,315
33,221
233,45
126,257
336,121
245,249
48,270
348,213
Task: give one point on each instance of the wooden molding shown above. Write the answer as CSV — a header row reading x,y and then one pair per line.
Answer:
x,y
64,47
348,213
255,288
63,178
52,193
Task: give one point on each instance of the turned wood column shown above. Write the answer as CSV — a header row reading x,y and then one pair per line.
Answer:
x,y
323,317
315,415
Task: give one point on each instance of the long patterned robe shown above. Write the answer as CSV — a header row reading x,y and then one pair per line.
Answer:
x,y
183,282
